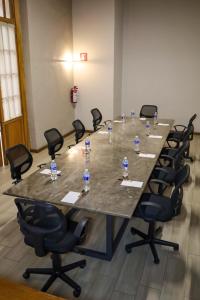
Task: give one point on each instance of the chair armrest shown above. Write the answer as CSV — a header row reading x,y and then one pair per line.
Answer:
x,y
107,121
41,165
70,146
161,170
152,205
81,227
181,126
174,140
162,185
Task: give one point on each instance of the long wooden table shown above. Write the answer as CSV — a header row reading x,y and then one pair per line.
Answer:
x,y
106,195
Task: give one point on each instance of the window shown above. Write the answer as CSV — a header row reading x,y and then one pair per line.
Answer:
x,y
6,9
9,78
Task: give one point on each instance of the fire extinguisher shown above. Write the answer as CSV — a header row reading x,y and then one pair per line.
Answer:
x,y
74,94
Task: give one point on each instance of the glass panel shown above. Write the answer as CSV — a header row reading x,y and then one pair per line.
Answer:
x,y
7,5
6,110
1,8
9,78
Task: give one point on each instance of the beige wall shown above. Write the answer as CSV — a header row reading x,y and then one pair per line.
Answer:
x,y
93,32
161,57
47,36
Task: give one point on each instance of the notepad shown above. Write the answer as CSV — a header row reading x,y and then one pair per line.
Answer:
x,y
71,197
147,155
117,121
142,119
48,172
155,136
163,124
132,183
102,132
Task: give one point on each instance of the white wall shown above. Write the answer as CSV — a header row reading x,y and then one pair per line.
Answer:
x,y
93,32
161,57
47,36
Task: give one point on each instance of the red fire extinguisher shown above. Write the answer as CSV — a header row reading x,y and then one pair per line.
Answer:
x,y
74,94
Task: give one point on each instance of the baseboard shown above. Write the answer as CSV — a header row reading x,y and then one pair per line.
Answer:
x,y
44,147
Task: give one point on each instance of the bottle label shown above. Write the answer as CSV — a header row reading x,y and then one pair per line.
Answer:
x,y
86,177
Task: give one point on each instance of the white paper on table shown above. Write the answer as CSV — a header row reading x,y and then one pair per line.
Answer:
x,y
102,132
153,136
143,119
132,183
147,155
48,172
71,197
117,121
163,124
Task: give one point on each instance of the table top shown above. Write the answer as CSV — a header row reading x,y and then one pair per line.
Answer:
x,y
106,195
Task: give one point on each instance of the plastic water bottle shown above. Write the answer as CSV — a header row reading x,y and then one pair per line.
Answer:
x,y
123,117
155,119
87,145
125,167
148,127
109,127
53,169
132,114
136,144
86,180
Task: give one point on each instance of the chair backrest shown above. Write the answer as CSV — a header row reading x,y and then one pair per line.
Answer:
x,y
20,160
97,117
41,223
148,111
55,141
187,134
79,130
177,193
180,155
190,124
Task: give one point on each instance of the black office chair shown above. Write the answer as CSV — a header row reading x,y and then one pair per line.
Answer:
x,y
20,160
79,131
55,141
46,229
97,119
148,111
155,207
179,130
164,175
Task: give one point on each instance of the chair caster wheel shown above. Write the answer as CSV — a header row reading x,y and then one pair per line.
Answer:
x,y
156,261
128,250
176,248
26,275
77,292
83,265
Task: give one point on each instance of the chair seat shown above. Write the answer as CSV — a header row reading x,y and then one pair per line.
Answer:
x,y
169,151
165,214
62,246
167,177
175,135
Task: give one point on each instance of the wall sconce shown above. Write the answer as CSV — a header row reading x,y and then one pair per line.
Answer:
x,y
83,56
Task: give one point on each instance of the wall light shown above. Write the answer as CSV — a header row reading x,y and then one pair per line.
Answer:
x,y
83,56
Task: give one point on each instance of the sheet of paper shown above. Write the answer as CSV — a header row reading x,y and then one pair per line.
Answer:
x,y
142,119
153,136
117,121
132,183
163,124
71,197
48,172
147,155
102,132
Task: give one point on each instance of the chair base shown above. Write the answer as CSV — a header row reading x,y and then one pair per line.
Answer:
x,y
151,240
57,271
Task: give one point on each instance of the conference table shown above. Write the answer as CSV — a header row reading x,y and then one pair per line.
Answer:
x,y
106,196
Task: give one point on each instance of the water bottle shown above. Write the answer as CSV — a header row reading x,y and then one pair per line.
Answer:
x,y
86,180
123,117
155,119
53,169
148,127
87,145
136,144
125,167
109,127
132,114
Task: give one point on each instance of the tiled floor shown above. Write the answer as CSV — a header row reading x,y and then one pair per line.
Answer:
x,y
126,277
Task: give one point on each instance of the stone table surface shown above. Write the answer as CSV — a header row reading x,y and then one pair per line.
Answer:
x,y
106,195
